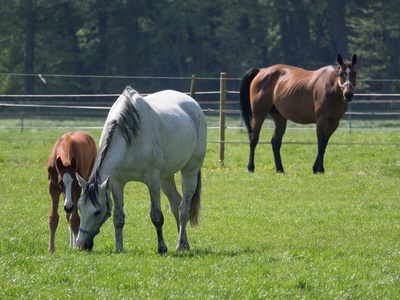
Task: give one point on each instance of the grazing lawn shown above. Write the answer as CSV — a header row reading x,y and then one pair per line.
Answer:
x,y
261,234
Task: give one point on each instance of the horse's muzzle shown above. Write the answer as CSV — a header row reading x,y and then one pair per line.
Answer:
x,y
86,244
68,210
348,96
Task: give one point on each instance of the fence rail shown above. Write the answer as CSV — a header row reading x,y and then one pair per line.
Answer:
x,y
221,106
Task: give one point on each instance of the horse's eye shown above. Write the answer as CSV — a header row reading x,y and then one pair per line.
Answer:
x,y
97,212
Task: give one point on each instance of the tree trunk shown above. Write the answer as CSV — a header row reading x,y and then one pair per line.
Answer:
x,y
302,34
102,23
339,42
129,38
29,48
75,51
286,27
387,87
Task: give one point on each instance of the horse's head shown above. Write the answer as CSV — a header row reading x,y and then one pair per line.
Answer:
x,y
95,207
347,76
67,182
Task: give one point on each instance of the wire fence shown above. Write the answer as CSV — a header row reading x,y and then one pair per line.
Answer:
x,y
220,103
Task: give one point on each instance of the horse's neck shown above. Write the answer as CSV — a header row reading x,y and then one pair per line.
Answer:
x,y
113,159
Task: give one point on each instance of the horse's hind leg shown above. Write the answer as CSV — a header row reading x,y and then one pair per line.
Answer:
x,y
168,187
254,137
156,214
276,141
189,187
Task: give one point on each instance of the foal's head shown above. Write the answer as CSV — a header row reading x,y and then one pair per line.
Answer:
x,y
347,76
68,183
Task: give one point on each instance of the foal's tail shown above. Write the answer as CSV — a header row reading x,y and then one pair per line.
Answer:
x,y
195,204
245,97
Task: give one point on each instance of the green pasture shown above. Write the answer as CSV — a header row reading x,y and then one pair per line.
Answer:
x,y
262,235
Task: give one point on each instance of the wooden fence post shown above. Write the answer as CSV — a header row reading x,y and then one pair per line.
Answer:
x,y
193,83
222,108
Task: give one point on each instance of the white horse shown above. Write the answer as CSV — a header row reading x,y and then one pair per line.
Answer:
x,y
148,140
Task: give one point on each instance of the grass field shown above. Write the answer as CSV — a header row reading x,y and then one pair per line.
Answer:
x,y
261,235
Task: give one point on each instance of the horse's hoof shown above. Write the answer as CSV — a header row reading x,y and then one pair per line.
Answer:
x,y
250,168
183,247
162,250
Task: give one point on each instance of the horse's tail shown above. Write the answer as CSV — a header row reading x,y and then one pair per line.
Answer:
x,y
245,97
195,203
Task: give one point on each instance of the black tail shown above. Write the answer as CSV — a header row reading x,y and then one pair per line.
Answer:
x,y
245,97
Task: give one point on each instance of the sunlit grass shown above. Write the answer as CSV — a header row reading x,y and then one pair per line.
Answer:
x,y
261,234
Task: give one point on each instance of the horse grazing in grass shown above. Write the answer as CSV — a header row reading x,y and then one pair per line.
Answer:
x,y
286,92
74,153
148,140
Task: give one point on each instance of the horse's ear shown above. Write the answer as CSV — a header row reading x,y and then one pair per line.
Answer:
x,y
354,59
340,60
59,163
82,182
105,184
74,163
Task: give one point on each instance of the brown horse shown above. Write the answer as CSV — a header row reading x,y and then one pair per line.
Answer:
x,y
302,96
74,152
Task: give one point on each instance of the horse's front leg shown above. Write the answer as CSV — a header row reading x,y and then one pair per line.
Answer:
x,y
156,214
318,166
53,216
73,218
324,131
74,221
119,217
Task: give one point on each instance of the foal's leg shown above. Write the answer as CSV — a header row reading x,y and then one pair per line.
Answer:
x,y
74,219
168,187
324,131
53,216
189,185
276,141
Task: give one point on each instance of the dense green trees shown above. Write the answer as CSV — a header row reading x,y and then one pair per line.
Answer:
x,y
185,37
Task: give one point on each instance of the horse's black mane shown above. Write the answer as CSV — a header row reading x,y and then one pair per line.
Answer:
x,y
128,120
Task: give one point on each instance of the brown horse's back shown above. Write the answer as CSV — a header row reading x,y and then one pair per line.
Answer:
x,y
79,145
292,91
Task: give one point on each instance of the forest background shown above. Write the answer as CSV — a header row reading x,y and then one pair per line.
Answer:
x,y
179,38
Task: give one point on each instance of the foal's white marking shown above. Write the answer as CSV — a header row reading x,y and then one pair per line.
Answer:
x,y
67,179
72,238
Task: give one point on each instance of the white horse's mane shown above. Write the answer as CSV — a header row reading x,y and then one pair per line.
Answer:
x,y
128,120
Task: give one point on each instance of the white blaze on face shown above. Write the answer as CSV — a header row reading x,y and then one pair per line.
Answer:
x,y
67,179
